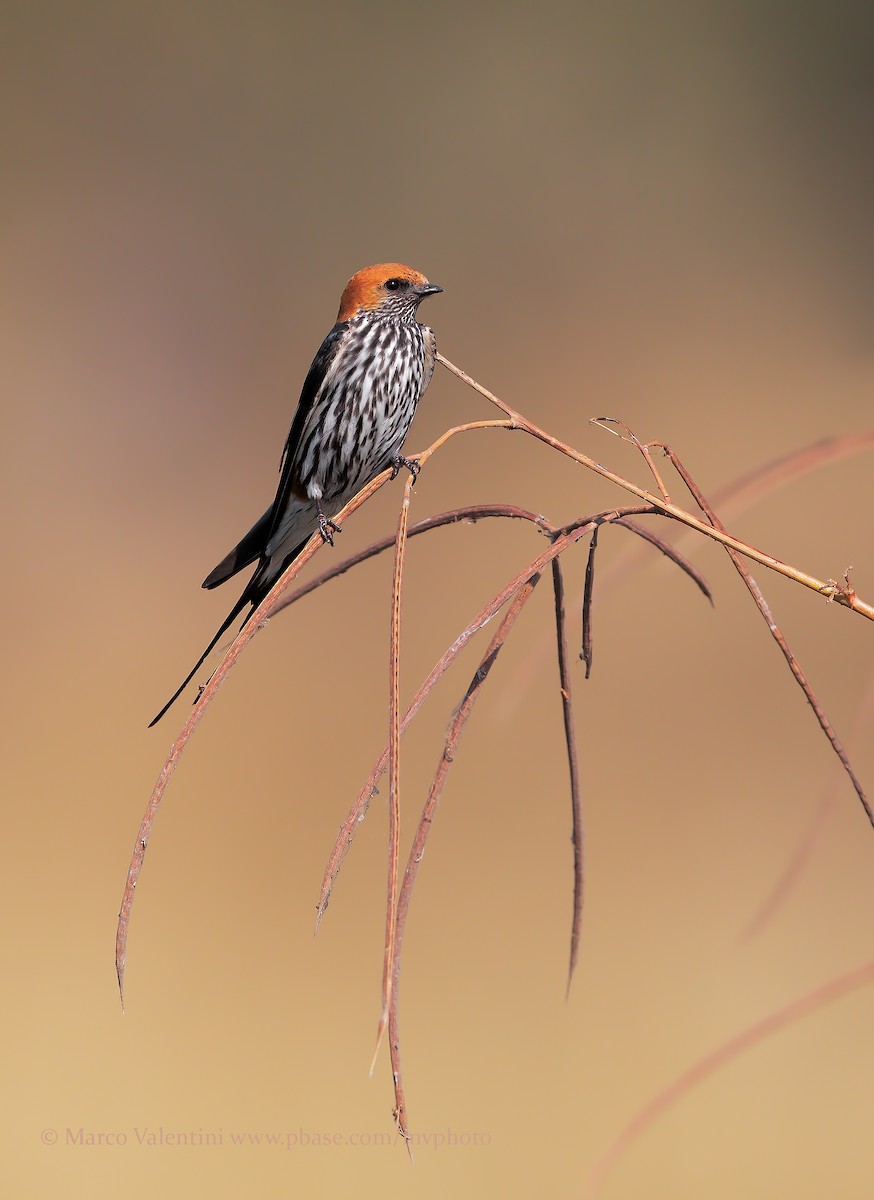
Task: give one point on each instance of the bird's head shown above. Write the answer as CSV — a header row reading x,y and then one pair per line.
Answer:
x,y
388,289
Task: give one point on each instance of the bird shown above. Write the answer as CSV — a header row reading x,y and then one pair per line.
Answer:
x,y
355,409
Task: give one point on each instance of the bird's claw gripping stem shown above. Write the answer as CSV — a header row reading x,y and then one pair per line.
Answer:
x,y
327,527
412,464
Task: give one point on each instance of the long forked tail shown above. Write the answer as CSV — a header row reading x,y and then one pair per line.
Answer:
x,y
245,599
254,592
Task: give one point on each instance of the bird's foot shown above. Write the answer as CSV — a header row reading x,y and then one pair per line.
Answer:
x,y
412,464
327,528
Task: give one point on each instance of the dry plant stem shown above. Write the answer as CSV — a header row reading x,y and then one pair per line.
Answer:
x,y
250,628
455,516
567,704
417,849
470,516
669,551
643,447
394,765
830,589
359,808
740,494
588,593
812,1001
731,499
794,666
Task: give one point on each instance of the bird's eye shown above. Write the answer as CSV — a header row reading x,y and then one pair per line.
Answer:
x,y
394,285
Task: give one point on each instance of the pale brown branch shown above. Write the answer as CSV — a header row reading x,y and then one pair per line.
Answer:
x,y
740,494
829,589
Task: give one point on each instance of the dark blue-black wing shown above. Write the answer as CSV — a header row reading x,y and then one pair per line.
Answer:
x,y
253,544
288,469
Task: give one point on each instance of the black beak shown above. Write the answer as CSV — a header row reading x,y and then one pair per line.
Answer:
x,y
429,289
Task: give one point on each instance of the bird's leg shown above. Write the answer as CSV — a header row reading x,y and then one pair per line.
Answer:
x,y
412,464
327,527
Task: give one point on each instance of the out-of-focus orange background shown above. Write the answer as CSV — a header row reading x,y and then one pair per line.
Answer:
x,y
656,212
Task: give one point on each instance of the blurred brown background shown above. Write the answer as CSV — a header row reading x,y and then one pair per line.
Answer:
x,y
659,212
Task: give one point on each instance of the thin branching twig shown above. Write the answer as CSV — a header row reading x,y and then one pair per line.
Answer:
x,y
775,631
830,589
644,448
730,500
